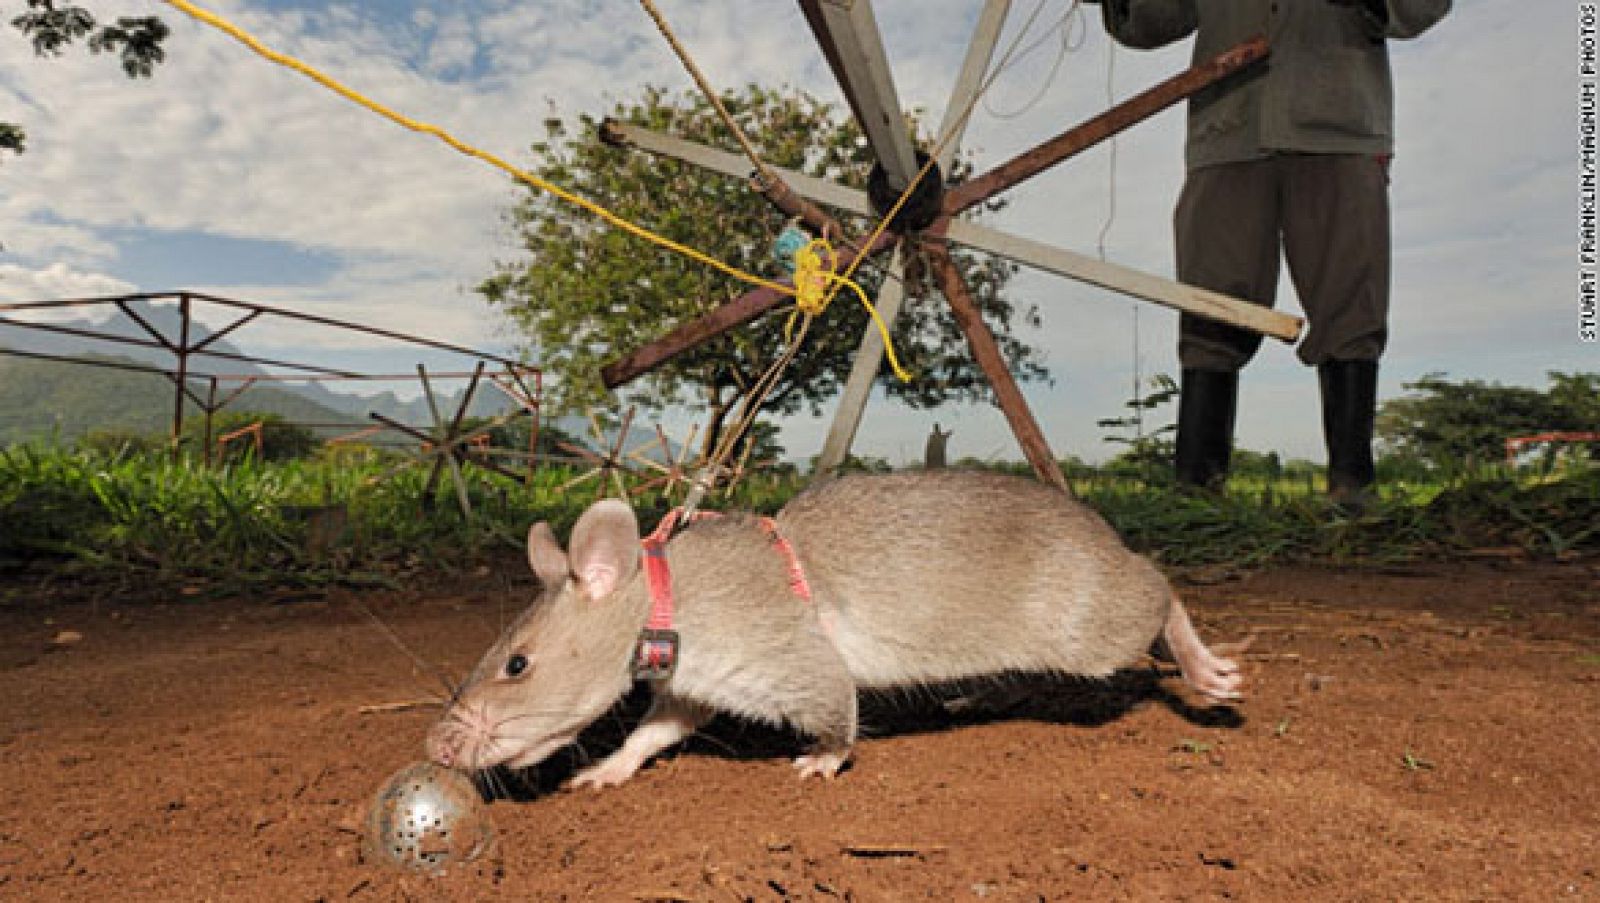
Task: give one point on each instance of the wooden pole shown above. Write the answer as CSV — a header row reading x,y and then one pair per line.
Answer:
x,y
848,35
863,372
869,355
1125,280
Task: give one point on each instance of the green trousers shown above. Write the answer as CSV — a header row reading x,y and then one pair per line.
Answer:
x,y
1327,215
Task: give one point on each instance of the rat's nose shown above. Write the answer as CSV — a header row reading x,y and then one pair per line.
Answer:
x,y
439,748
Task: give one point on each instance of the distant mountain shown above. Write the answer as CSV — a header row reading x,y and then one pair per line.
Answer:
x,y
486,402
40,399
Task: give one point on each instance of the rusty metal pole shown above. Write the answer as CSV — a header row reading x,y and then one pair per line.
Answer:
x,y
986,351
536,410
1087,134
179,382
211,409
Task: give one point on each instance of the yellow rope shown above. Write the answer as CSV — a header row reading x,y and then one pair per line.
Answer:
x,y
812,281
350,94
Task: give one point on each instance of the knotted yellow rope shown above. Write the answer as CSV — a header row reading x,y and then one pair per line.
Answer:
x,y
815,284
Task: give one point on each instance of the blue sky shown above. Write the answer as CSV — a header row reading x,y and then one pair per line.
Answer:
x,y
227,174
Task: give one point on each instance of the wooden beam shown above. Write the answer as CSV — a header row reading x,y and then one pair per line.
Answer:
x,y
820,190
1128,281
980,51
865,365
847,32
863,371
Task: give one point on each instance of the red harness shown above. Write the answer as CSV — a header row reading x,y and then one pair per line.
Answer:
x,y
656,655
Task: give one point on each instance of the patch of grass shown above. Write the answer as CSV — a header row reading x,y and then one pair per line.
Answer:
x,y
141,515
1413,762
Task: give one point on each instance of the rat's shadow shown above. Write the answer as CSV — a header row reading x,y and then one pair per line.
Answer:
x,y
930,709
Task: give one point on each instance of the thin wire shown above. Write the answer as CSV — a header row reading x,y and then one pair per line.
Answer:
x,y
1069,44
1105,230
1111,175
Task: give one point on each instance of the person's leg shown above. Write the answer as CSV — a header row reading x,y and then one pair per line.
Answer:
x,y
1226,227
1336,240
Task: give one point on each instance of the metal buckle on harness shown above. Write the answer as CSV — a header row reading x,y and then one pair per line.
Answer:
x,y
656,655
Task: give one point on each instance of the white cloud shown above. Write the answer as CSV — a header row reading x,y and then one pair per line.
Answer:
x,y
453,47
20,285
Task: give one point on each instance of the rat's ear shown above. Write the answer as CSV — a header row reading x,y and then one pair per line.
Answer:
x,y
545,556
605,547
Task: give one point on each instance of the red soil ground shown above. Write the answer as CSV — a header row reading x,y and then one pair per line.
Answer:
x,y
1429,732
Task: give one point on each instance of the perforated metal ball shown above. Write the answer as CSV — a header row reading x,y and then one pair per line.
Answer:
x,y
427,818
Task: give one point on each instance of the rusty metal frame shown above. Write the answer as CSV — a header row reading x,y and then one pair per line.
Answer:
x,y
521,383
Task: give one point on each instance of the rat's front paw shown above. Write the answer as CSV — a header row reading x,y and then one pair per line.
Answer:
x,y
822,764
608,773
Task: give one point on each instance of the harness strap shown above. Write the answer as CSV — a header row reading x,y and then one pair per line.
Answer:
x,y
656,655
797,575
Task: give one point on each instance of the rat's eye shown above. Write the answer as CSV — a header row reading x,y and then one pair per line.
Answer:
x,y
516,664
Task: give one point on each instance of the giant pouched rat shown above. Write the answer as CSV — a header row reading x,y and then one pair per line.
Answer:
x,y
914,578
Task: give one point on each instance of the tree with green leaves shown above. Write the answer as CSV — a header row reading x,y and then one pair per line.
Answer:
x,y
52,27
585,293
1454,425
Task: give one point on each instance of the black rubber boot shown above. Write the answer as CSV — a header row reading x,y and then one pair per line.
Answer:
x,y
1206,407
1349,405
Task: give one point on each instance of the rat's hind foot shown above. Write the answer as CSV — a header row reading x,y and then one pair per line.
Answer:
x,y
1216,677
